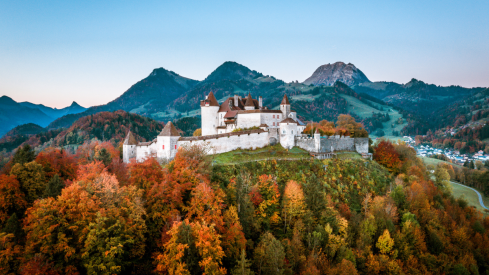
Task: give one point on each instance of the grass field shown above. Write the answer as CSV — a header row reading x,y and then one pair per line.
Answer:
x,y
469,195
348,155
435,162
269,152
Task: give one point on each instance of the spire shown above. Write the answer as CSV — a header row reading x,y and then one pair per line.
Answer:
x,y
212,100
317,131
285,100
169,130
130,140
249,101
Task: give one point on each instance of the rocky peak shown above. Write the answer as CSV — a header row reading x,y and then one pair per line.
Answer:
x,y
330,73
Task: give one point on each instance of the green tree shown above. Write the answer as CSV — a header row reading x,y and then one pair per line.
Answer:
x,y
243,266
442,178
32,179
53,188
24,155
13,226
269,255
104,156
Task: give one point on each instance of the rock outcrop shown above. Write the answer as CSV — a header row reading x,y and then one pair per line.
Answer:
x,y
330,73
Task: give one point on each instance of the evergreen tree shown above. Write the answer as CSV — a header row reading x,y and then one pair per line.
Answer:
x,y
54,187
471,165
12,226
243,266
24,155
104,156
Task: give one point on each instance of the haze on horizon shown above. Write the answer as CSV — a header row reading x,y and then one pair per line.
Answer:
x,y
56,52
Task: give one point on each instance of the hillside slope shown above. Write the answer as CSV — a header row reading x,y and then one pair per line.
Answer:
x,y
54,113
13,114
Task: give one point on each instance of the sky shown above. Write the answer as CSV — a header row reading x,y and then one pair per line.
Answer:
x,y
56,52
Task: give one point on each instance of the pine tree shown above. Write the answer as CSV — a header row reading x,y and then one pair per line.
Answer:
x,y
12,226
24,155
54,187
243,266
104,156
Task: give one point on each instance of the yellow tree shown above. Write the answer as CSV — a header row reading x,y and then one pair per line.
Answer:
x,y
294,204
208,244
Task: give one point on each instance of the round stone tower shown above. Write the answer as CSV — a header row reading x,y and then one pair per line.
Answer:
x,y
288,131
209,115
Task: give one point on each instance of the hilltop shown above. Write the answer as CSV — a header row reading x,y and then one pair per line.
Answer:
x,y
330,73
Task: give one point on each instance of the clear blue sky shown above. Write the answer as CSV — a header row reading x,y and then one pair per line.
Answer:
x,y
54,52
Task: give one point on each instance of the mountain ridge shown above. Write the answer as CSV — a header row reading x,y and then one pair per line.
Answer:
x,y
328,74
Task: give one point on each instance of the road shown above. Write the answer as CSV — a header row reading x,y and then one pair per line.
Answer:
x,y
478,194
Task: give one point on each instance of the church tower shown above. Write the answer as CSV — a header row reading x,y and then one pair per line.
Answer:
x,y
209,115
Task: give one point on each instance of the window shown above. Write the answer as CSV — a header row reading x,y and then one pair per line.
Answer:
x,y
292,132
278,116
274,124
163,147
283,132
175,146
273,116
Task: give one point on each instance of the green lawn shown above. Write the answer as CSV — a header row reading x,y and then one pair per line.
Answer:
x,y
435,162
269,152
348,155
469,195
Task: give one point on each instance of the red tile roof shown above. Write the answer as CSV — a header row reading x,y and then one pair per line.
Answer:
x,y
285,101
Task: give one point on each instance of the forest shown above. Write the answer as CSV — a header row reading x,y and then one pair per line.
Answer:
x,y
89,213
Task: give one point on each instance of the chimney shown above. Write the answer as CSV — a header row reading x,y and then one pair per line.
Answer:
x,y
236,100
260,102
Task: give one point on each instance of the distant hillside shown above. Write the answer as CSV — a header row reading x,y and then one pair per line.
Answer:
x,y
416,96
148,96
25,129
54,113
13,114
328,74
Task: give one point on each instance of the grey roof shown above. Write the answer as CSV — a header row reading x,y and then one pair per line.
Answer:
x,y
169,130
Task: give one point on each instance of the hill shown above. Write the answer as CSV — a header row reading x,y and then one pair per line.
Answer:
x,y
415,96
148,96
13,114
54,113
330,73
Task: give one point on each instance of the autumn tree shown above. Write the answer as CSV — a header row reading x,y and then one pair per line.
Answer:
x,y
243,265
12,199
233,239
386,155
354,128
293,202
58,162
197,133
442,179
265,195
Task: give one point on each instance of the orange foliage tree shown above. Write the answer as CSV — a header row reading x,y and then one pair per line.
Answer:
x,y
386,155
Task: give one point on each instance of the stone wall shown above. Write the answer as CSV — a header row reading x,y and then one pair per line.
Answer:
x,y
337,143
306,143
361,145
230,141
145,151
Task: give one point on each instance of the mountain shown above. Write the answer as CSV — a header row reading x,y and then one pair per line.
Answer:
x,y
330,73
231,71
146,97
54,113
13,114
415,96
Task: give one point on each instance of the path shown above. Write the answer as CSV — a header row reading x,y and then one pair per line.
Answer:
x,y
478,194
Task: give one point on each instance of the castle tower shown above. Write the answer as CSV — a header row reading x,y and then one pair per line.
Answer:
x,y
167,142
285,106
209,115
129,148
249,105
317,140
288,131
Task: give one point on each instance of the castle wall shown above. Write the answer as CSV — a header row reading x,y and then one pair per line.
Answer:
x,y
145,151
361,145
306,143
229,142
209,120
128,152
273,135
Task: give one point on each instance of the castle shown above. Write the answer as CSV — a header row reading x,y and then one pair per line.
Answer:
x,y
241,123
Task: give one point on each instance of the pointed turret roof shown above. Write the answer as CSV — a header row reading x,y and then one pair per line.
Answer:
x,y
288,120
249,101
285,101
212,100
169,130
130,140
317,131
